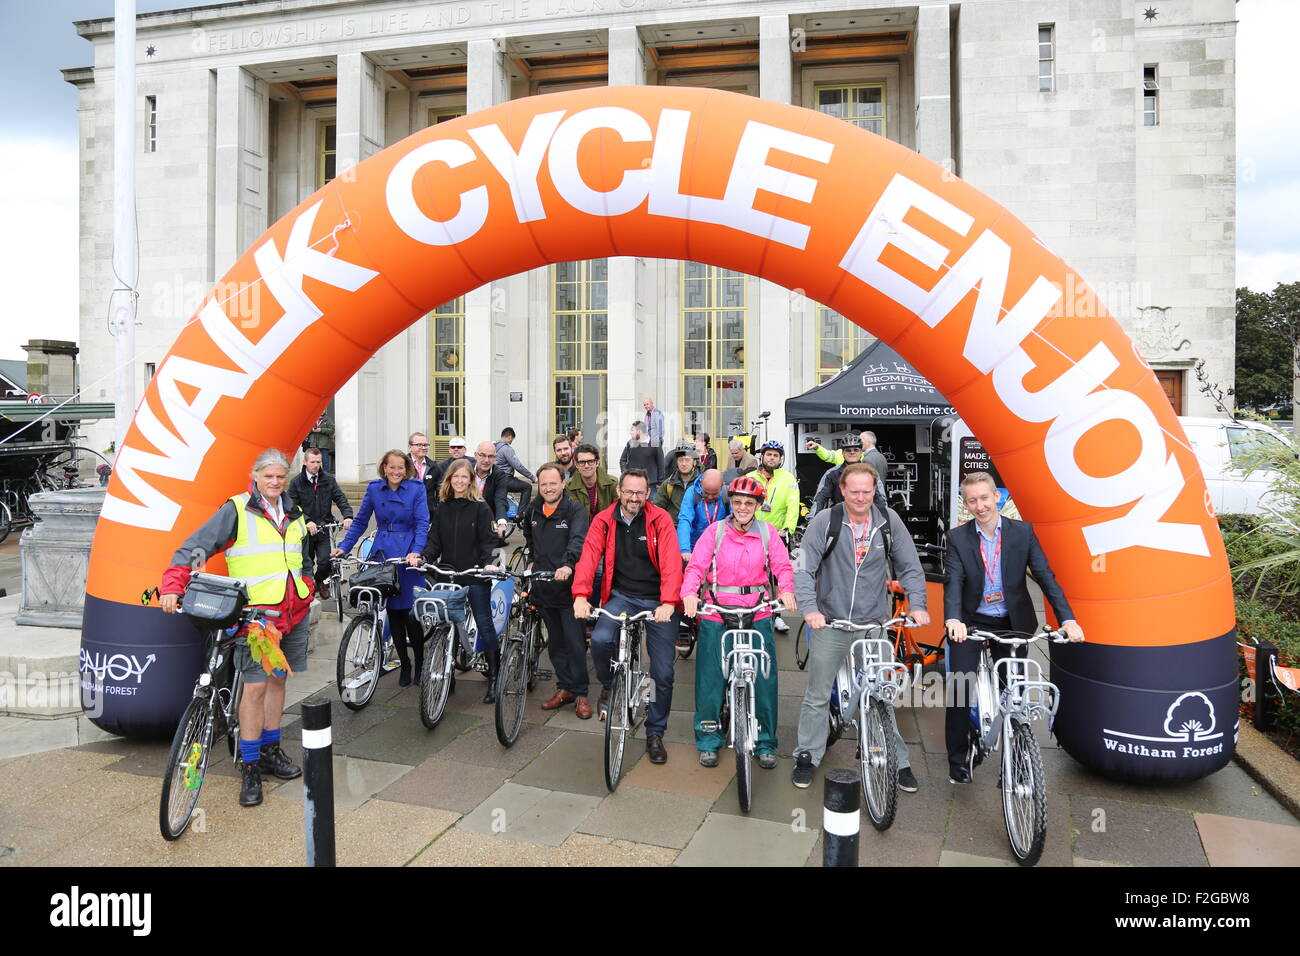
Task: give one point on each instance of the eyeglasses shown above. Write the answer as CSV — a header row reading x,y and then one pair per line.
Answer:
x,y
635,494
586,461
417,444
483,456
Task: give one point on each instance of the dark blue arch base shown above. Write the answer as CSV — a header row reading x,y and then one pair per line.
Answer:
x,y
144,705
1183,729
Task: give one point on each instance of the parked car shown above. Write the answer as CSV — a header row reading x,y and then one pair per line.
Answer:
x,y
1221,445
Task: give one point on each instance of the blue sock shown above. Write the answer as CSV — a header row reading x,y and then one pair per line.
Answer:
x,y
270,737
250,751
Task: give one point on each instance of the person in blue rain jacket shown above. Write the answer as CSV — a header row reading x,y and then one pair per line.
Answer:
x,y
401,510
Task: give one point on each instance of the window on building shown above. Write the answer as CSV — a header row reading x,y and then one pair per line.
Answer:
x,y
714,309
863,106
1046,57
579,346
441,115
149,369
327,162
151,124
838,339
447,364
1150,95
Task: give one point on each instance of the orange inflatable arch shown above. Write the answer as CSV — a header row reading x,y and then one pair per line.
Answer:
x,y
1073,417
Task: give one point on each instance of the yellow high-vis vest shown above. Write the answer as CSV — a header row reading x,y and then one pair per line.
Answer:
x,y
261,556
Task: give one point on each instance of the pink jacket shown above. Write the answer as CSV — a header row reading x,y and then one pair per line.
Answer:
x,y
740,563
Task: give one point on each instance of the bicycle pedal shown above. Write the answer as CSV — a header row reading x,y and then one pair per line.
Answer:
x,y
709,726
543,675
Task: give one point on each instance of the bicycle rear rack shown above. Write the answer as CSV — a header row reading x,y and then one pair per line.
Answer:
x,y
872,663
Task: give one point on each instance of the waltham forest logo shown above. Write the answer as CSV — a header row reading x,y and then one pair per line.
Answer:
x,y
1189,724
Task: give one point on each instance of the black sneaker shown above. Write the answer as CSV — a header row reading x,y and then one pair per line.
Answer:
x,y
274,762
250,791
907,780
803,770
958,774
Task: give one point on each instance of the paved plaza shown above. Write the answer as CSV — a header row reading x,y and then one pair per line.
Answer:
x,y
454,795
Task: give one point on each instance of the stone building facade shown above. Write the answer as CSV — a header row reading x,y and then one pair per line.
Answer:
x,y
1107,126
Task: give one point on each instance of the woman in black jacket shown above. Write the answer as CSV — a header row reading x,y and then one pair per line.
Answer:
x,y
461,536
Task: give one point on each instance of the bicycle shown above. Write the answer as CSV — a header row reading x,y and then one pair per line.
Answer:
x,y
452,645
868,683
520,652
742,662
335,580
359,665
212,710
688,633
630,689
1003,720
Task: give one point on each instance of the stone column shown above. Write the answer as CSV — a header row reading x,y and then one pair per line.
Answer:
x,y
933,62
773,334
241,173
359,133
486,80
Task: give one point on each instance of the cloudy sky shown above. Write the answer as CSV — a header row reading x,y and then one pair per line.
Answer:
x,y
38,156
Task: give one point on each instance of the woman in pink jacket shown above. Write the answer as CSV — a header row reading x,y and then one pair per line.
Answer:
x,y
747,554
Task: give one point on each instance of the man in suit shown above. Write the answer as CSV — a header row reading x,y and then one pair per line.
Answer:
x,y
426,469
987,561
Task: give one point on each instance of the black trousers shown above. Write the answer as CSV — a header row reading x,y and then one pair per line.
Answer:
x,y
568,649
962,661
525,491
320,552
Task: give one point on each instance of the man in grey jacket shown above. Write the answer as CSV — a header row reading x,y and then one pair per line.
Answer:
x,y
847,581
508,464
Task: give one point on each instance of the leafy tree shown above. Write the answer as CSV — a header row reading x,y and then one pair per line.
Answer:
x,y
1267,324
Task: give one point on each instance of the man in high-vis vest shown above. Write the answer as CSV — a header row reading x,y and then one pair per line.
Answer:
x,y
264,535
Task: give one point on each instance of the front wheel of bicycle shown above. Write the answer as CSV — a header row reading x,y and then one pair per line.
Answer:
x,y
742,744
436,678
512,692
533,644
336,585
801,647
879,762
1024,795
518,560
6,521
359,662
187,762
616,729
686,638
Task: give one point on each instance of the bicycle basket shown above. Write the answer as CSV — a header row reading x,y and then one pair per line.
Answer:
x,y
451,596
382,577
215,600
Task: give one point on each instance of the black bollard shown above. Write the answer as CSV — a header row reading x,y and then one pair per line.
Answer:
x,y
840,819
1265,658
318,782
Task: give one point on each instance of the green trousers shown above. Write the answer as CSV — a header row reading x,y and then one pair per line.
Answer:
x,y
710,686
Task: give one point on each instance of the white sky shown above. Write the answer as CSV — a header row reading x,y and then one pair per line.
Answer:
x,y
38,156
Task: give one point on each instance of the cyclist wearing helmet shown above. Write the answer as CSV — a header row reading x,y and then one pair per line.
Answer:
x,y
681,471
871,455
828,492
780,506
734,562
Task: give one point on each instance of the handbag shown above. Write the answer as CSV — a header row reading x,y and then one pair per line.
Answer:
x,y
214,600
382,577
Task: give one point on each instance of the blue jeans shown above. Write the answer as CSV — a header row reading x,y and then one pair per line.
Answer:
x,y
661,643
480,602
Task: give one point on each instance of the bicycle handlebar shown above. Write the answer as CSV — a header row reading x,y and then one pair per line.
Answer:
x,y
497,575
629,618
842,625
1056,636
724,610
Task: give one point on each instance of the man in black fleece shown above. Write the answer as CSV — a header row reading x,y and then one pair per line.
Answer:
x,y
316,492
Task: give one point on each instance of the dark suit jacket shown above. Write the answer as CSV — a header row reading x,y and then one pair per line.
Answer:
x,y
1021,552
432,478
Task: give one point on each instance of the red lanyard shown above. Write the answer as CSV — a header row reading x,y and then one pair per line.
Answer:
x,y
711,516
864,538
997,555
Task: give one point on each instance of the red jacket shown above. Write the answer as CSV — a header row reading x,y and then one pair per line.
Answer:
x,y
661,538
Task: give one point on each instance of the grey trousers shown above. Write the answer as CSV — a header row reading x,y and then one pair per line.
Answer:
x,y
828,648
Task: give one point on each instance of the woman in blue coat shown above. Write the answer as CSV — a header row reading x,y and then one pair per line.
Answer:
x,y
401,509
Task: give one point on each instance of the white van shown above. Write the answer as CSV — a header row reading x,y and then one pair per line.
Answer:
x,y
1220,444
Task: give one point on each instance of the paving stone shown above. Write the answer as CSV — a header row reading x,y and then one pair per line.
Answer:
x,y
565,718
648,816
1067,775
149,758
1230,792
355,781
445,784
894,847
403,738
792,684
787,710
681,728
21,736
24,780
529,814
905,718
457,847
1134,833
480,747
383,833
774,798
727,840
1081,861
977,826
1232,841
683,688
574,763
954,858
681,774
929,721
345,724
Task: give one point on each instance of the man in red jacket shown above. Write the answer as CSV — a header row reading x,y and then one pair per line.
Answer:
x,y
643,572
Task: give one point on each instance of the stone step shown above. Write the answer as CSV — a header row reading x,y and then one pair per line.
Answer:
x,y
355,490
